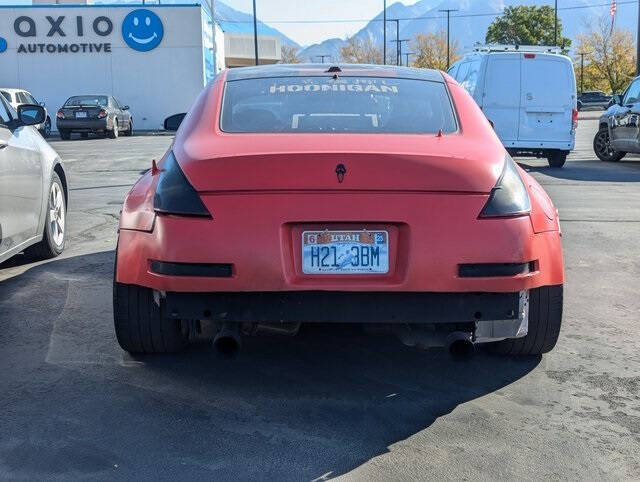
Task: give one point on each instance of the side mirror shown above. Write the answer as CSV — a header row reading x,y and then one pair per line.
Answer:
x,y
30,114
126,107
172,122
43,104
616,99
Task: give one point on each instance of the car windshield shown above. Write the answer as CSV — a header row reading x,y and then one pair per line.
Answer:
x,y
333,105
87,101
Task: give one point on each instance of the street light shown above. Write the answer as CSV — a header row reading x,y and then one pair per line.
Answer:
x,y
582,54
448,10
555,24
255,32
384,32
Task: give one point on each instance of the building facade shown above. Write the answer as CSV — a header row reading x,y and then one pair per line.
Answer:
x,y
154,58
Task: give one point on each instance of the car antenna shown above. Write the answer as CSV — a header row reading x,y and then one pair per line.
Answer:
x,y
154,167
439,134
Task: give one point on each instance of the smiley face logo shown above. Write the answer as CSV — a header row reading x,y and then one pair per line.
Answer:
x,y
142,30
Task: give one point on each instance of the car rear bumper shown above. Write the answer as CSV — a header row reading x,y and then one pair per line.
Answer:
x,y
82,125
253,244
517,146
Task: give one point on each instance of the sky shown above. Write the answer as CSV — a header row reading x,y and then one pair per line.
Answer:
x,y
273,11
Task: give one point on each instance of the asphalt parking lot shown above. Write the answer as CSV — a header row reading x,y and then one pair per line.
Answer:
x,y
323,404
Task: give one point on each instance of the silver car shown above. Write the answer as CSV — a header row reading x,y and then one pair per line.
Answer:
x,y
33,186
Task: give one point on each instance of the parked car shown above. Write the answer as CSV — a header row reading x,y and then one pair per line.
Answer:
x,y
33,186
593,100
98,114
619,126
529,95
18,97
352,194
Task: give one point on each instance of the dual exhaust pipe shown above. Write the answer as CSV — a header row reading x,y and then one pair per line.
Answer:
x,y
459,344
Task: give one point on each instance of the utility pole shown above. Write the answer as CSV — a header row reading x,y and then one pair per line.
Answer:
x,y
384,32
448,10
555,24
638,43
406,55
397,21
255,32
323,56
581,72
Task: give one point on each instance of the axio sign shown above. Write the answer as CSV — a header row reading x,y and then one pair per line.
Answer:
x,y
142,30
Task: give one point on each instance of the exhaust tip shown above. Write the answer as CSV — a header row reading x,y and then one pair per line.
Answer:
x,y
460,345
227,341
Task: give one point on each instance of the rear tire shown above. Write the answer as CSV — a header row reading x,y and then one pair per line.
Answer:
x,y
602,147
54,235
545,319
557,158
65,135
129,131
140,325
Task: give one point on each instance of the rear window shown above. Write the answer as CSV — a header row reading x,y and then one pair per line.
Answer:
x,y
87,101
346,104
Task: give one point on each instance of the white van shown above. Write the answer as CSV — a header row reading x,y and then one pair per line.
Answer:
x,y
528,93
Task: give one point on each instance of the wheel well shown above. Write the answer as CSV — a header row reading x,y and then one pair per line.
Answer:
x,y
60,172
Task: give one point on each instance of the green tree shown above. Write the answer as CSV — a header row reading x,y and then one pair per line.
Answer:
x,y
526,25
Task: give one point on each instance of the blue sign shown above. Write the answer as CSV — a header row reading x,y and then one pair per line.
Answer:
x,y
142,30
3,45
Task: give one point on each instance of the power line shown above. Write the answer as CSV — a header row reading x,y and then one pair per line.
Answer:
x,y
428,17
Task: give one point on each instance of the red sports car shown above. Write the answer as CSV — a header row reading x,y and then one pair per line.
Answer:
x,y
363,194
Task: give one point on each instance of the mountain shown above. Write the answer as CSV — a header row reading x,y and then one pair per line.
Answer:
x,y
236,21
469,22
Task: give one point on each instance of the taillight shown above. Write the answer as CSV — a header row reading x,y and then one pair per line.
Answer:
x,y
574,119
60,115
102,114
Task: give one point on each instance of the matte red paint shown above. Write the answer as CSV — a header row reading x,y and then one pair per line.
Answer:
x,y
263,190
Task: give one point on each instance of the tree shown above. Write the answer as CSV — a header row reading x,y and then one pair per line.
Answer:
x,y
526,25
609,61
430,50
289,55
357,51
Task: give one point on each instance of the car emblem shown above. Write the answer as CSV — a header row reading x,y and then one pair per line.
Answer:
x,y
340,172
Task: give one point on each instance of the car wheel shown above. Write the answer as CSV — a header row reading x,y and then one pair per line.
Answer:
x,y
113,133
545,319
46,129
140,325
602,147
65,135
54,236
557,158
129,131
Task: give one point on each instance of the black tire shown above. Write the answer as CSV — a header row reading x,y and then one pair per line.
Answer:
x,y
545,319
115,131
140,325
129,131
65,135
602,147
557,158
52,244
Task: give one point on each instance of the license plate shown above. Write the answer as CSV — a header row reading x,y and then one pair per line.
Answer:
x,y
345,252
81,115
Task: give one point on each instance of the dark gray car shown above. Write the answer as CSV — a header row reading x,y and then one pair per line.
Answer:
x,y
619,126
593,100
98,114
